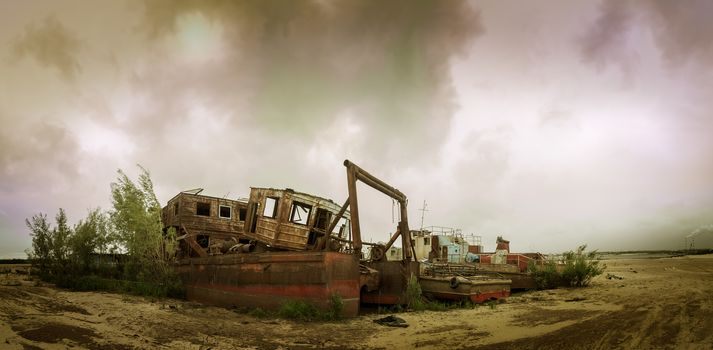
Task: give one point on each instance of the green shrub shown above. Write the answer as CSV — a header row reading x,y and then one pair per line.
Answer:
x,y
305,311
336,307
95,283
437,306
258,313
463,304
299,310
546,275
580,267
576,270
414,297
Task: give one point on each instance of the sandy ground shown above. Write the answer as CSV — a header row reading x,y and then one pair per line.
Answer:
x,y
664,303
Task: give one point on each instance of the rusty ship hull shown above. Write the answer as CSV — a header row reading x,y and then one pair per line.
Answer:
x,y
270,279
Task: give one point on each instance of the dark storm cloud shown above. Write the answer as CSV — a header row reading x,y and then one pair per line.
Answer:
x,y
505,133
300,64
606,41
681,29
51,45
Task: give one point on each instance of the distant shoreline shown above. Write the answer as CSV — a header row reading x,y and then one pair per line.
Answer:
x,y
14,261
651,254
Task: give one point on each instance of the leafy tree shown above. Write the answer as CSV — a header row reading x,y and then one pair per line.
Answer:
x,y
136,215
64,255
61,235
137,219
91,235
40,255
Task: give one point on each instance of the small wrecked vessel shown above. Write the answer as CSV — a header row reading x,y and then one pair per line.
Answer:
x,y
477,289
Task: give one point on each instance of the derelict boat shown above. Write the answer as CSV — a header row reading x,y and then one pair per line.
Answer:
x,y
477,289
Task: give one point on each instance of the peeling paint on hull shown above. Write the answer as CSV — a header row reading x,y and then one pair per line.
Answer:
x,y
267,280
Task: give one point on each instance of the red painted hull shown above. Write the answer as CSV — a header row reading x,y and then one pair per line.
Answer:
x,y
483,297
268,280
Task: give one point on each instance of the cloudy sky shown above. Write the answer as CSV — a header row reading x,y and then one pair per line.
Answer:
x,y
552,123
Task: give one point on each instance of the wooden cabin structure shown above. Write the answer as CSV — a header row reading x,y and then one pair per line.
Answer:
x,y
202,222
290,220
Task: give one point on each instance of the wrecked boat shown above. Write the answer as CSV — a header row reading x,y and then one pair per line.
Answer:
x,y
271,256
285,245
450,281
477,289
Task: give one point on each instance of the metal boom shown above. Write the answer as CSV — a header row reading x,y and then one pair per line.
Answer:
x,y
355,173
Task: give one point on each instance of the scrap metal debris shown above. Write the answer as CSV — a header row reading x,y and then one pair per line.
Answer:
x,y
392,321
612,276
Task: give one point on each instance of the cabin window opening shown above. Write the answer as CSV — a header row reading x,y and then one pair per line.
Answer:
x,y
242,214
175,208
203,209
342,228
312,238
270,207
225,212
300,213
426,240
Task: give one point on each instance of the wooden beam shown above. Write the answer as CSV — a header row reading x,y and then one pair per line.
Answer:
x,y
354,208
191,239
333,224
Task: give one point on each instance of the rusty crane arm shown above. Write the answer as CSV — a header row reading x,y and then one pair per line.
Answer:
x,y
355,173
